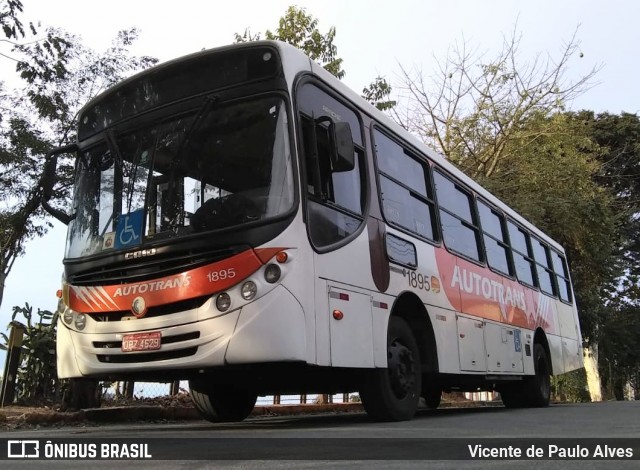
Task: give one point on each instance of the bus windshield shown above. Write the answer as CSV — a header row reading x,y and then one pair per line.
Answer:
x,y
219,166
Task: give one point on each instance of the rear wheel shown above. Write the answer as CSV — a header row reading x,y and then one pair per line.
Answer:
x,y
392,394
221,402
534,391
513,396
539,386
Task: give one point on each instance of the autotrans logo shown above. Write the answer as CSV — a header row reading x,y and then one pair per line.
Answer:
x,y
23,449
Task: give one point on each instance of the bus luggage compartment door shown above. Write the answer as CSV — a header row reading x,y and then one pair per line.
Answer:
x,y
351,328
504,348
471,344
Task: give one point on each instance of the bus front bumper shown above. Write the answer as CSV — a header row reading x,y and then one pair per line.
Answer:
x,y
270,329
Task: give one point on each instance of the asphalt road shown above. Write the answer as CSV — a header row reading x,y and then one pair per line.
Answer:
x,y
352,441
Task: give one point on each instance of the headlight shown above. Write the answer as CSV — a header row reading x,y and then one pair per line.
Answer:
x,y
81,321
223,302
249,290
272,273
67,316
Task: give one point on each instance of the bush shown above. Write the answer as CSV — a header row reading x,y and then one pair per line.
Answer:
x,y
37,379
570,387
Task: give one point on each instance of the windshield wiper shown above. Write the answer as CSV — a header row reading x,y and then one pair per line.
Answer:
x,y
205,107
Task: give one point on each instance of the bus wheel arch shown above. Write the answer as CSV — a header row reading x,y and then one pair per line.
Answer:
x,y
539,384
410,308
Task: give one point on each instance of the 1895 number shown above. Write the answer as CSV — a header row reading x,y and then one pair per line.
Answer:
x,y
418,281
223,274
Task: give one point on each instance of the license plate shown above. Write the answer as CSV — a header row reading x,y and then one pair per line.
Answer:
x,y
141,342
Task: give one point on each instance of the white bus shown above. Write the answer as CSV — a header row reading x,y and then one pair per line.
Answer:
x,y
243,220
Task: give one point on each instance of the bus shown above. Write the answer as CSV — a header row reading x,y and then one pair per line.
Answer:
x,y
243,220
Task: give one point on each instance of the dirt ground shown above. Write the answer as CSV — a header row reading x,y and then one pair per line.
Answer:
x,y
17,417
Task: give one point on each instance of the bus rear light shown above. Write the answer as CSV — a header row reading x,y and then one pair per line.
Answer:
x,y
249,290
282,257
338,315
223,302
272,273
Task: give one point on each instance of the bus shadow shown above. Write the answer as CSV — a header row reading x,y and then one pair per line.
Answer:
x,y
310,421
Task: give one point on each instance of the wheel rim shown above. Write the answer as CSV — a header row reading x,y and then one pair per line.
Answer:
x,y
401,369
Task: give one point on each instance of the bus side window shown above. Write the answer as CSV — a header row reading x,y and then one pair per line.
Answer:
x,y
562,276
494,236
405,189
460,230
522,258
543,266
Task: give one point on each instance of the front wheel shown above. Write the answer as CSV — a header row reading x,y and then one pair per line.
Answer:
x,y
220,402
392,394
432,394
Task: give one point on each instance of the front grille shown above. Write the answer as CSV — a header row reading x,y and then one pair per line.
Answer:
x,y
164,263
164,340
133,358
167,309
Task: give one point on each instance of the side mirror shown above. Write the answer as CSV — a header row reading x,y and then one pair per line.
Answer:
x,y
48,181
342,154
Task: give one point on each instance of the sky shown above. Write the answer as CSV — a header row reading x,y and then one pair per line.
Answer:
x,y
373,38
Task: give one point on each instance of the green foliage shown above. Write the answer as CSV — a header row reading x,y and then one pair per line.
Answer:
x,y
619,336
618,137
37,379
377,93
571,387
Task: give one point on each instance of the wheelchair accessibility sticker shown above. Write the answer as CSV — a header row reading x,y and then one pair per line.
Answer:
x,y
129,229
517,340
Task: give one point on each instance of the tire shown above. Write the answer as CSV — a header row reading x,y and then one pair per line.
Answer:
x,y
220,402
392,394
514,396
82,393
534,391
539,386
432,393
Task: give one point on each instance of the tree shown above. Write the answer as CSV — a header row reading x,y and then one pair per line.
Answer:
x,y
618,137
473,107
59,75
300,29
